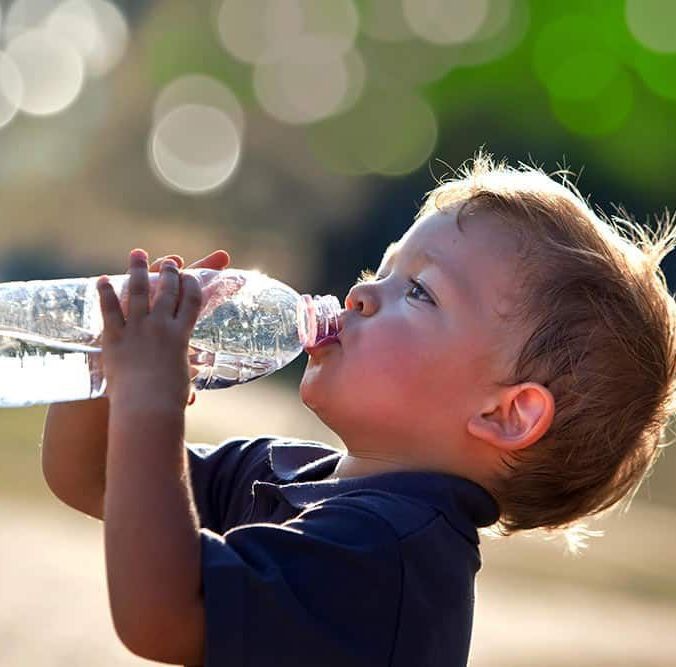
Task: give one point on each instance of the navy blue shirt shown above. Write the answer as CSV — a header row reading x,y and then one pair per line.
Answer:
x,y
298,570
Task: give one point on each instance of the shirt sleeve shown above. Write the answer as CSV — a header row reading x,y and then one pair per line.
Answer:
x,y
321,589
222,476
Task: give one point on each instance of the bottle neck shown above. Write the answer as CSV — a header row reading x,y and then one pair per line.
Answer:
x,y
317,318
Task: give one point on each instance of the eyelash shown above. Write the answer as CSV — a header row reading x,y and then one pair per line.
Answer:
x,y
367,276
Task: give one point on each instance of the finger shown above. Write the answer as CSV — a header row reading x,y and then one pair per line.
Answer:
x,y
190,302
218,259
113,319
168,289
138,284
155,266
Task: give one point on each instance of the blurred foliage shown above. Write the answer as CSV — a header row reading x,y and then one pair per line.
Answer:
x,y
578,90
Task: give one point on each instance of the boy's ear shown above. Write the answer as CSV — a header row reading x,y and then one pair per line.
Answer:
x,y
517,418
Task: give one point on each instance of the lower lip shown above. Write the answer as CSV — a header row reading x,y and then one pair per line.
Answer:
x,y
323,343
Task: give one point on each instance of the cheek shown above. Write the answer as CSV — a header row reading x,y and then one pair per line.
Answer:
x,y
397,359
433,364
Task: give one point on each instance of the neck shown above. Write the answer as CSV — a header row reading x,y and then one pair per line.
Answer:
x,y
363,465
483,471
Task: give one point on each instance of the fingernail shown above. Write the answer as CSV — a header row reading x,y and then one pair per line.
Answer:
x,y
139,253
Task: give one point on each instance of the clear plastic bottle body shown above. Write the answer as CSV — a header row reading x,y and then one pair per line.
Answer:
x,y
250,326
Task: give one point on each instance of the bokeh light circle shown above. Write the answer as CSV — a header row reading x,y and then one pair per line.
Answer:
x,y
547,51
445,21
265,32
295,91
658,72
51,69
195,149
24,15
505,27
653,23
199,89
603,114
96,28
356,81
496,19
335,23
583,67
11,89
591,93
259,31
408,63
389,131
599,67
417,61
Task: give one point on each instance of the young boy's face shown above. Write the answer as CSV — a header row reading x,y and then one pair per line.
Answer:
x,y
421,345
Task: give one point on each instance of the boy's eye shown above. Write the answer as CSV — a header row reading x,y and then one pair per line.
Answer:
x,y
415,286
416,290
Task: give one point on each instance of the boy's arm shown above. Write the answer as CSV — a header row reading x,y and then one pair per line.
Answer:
x,y
74,446
152,538
163,531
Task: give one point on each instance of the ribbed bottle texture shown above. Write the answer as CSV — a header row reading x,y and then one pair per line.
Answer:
x,y
250,326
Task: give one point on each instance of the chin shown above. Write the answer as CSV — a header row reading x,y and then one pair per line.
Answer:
x,y
310,393
310,388
316,400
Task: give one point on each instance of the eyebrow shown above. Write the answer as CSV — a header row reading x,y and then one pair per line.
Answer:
x,y
390,251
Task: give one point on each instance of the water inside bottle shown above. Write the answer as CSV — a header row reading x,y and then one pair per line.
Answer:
x,y
33,369
220,370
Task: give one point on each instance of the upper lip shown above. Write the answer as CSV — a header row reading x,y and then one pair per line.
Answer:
x,y
341,320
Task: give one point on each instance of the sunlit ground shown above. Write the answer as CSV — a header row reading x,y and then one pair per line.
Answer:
x,y
615,606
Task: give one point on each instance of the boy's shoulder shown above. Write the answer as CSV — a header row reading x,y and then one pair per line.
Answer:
x,y
406,500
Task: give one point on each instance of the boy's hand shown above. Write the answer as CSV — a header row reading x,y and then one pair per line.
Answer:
x,y
145,357
217,260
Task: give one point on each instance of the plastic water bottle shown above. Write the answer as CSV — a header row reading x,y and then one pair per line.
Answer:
x,y
250,326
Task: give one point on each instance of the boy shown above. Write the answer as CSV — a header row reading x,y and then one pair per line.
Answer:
x,y
512,364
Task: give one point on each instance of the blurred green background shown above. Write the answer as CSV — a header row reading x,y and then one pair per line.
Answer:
x,y
301,136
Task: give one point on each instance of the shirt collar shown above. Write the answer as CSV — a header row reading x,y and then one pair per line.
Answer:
x,y
301,468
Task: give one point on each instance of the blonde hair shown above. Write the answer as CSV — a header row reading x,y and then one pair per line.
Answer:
x,y
600,335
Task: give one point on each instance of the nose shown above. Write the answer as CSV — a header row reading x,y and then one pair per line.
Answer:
x,y
362,298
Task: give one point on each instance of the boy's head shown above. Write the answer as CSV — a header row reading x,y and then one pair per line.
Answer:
x,y
535,356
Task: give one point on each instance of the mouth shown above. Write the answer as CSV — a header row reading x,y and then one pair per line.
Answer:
x,y
325,342
331,339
